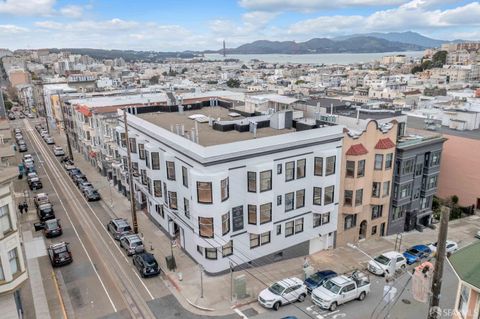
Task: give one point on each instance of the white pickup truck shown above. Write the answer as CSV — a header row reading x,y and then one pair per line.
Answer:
x,y
341,289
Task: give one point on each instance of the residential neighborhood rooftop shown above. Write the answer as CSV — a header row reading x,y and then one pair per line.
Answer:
x,y
466,264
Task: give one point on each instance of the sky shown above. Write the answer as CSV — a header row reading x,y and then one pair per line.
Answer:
x,y
178,25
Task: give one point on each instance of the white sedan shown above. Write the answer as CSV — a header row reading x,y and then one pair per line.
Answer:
x,y
58,151
451,247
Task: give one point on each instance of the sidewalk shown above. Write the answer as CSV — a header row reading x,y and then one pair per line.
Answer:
x,y
216,289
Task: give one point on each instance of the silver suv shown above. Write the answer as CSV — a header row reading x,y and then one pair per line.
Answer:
x,y
119,227
132,244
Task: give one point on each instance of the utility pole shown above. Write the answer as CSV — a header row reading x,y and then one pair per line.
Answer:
x,y
45,113
70,153
434,312
130,176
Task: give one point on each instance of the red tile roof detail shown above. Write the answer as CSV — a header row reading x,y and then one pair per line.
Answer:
x,y
384,144
84,110
357,149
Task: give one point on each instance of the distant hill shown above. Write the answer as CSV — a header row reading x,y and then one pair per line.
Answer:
x,y
127,55
358,44
403,37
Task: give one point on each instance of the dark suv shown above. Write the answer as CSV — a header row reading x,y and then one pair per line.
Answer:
x,y
59,254
146,264
45,212
51,228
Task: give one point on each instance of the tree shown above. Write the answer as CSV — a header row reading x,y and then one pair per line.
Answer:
x,y
7,102
184,70
154,79
233,83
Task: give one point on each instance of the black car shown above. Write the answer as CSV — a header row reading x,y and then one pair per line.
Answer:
x,y
51,228
146,264
84,185
91,194
74,171
79,178
45,212
35,183
60,254
22,148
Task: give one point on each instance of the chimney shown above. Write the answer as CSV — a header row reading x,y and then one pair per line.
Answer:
x,y
182,130
331,109
192,135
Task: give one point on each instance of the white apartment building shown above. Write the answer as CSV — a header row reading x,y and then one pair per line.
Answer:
x,y
234,190
12,266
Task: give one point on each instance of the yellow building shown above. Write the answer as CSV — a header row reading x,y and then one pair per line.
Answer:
x,y
366,182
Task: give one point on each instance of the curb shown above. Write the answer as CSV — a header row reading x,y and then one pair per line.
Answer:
x,y
198,307
243,304
174,283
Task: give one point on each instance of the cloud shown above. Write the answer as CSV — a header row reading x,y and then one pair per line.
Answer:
x,y
89,25
72,11
10,28
311,5
26,7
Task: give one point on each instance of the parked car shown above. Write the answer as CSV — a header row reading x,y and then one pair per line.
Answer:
x,y
318,278
119,227
31,175
477,235
382,264
27,157
21,116
79,178
450,247
68,165
416,253
43,133
49,140
59,254
74,171
45,212
341,289
51,228
85,185
29,164
40,198
39,127
18,136
132,244
283,292
91,194
22,148
30,115
35,183
58,151
17,130
146,264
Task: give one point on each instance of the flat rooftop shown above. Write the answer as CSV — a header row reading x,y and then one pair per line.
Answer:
x,y
207,135
419,124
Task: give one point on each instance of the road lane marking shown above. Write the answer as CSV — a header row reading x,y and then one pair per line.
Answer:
x,y
78,236
62,304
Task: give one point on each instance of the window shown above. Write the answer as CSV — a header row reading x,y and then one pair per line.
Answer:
x,y
300,199
298,225
386,189
123,140
147,159
237,218
350,169
155,160
301,168
133,145
265,238
159,210
265,213
141,151
143,176
330,169
463,301
432,182
408,166
329,194
289,171
289,226
225,192
435,159
317,196
254,240
289,201
405,191
350,221
265,181
200,250
211,253
279,169
149,185
185,176
252,214
361,168
205,226
378,162
5,222
226,223
252,182
374,230
14,261
388,160
376,188
279,229
2,275
186,207
325,218
279,200
204,192
418,169
171,170
227,249
317,220
157,188
377,211
318,166
172,200
358,197
347,198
